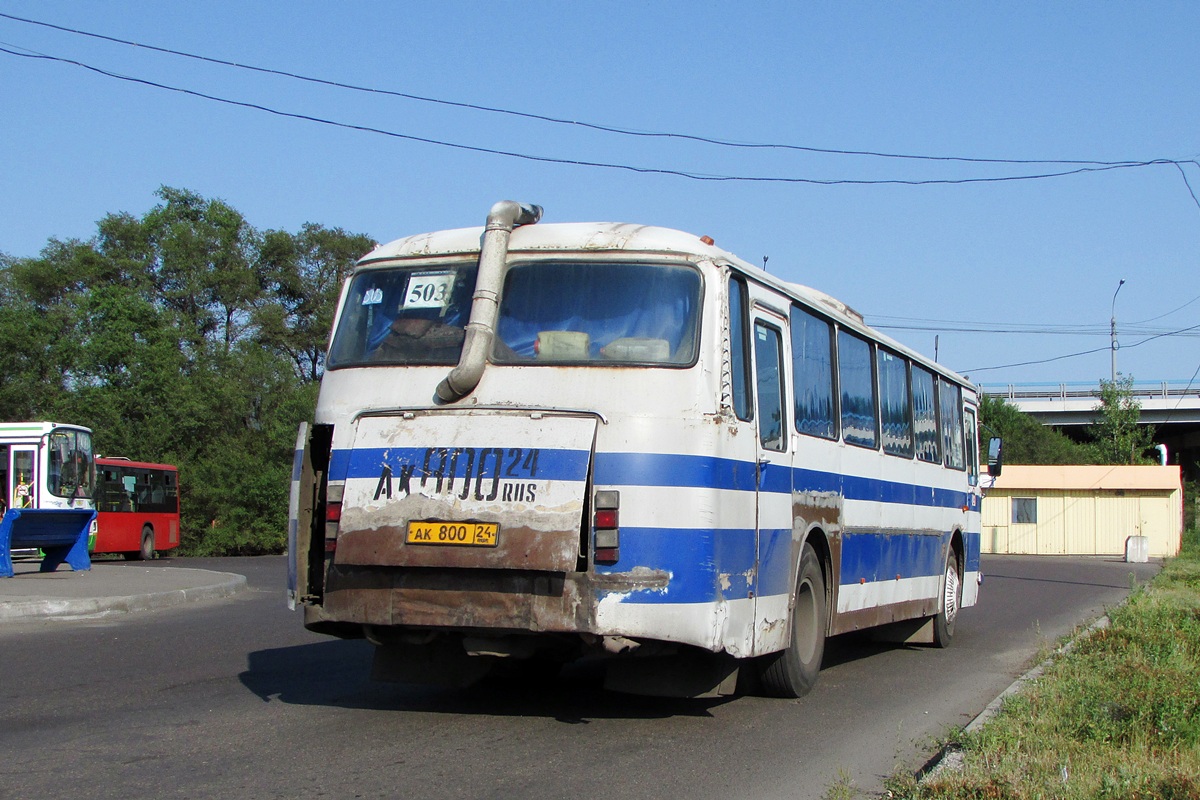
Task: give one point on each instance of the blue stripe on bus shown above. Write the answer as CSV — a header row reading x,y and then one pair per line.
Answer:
x,y
710,565
552,465
971,544
885,556
704,565
667,470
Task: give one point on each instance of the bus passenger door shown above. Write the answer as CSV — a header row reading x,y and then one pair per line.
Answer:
x,y
22,476
772,584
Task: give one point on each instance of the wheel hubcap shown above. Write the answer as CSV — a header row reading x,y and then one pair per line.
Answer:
x,y
805,616
951,598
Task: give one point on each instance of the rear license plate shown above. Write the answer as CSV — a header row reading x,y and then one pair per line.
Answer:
x,y
469,534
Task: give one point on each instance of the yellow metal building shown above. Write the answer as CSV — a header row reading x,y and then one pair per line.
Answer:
x,y
1083,510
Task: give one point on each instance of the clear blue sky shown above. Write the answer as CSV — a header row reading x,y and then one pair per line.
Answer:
x,y
1107,82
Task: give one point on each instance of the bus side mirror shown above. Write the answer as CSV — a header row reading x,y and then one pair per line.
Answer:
x,y
995,460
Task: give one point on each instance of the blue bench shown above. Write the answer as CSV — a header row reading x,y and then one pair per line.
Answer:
x,y
61,533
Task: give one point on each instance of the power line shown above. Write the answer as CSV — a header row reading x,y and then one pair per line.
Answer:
x,y
1083,353
1000,327
577,162
591,125
1172,311
1031,363
1182,396
1026,331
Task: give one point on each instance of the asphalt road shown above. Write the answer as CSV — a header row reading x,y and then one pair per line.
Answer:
x,y
233,698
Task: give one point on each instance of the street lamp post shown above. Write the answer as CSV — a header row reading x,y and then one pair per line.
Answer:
x,y
1113,330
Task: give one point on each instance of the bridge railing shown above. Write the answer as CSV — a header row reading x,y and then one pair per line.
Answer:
x,y
1068,391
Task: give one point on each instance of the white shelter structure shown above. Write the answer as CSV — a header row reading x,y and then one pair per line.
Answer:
x,y
1083,510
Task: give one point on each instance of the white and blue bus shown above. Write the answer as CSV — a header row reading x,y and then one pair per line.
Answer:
x,y
545,441
46,465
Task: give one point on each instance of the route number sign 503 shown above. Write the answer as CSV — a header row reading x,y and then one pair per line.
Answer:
x,y
429,290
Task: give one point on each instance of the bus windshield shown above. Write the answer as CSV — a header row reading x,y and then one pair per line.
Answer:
x,y
580,312
404,316
604,313
71,469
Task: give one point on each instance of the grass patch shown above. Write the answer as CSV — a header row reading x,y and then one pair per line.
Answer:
x,y
1118,716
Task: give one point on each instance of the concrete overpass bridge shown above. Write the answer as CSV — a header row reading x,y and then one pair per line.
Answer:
x,y
1172,407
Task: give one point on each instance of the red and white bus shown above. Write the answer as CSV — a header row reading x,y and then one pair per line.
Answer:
x,y
137,507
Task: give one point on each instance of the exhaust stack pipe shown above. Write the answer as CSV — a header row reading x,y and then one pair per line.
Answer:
x,y
485,304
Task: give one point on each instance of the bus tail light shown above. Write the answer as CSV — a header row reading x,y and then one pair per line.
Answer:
x,y
333,515
606,530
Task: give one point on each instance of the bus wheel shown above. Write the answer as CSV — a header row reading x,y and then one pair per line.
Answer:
x,y
147,551
792,671
943,623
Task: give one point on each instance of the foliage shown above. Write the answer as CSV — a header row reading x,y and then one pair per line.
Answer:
x,y
1119,438
184,336
1117,716
1027,441
1191,520
303,274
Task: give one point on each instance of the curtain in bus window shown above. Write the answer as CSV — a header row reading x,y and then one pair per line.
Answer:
x,y
404,316
858,390
950,399
925,424
598,312
894,404
812,374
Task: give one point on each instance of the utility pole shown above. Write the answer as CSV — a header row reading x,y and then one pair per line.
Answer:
x,y
1113,331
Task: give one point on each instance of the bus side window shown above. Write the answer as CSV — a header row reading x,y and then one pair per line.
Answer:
x,y
950,400
895,403
856,379
768,353
812,375
972,437
738,350
925,422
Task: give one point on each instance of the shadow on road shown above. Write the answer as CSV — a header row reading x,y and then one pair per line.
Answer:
x,y
1115,583
337,673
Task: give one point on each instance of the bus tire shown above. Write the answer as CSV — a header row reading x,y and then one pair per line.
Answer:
x,y
793,671
951,601
147,550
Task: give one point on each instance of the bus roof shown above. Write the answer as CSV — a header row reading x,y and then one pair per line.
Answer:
x,y
17,430
555,236
632,239
121,461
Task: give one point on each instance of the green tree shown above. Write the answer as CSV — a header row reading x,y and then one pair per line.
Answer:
x,y
302,275
1119,436
205,253
34,358
183,336
1027,441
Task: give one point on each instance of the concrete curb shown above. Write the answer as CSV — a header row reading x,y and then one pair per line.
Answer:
x,y
950,757
224,584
